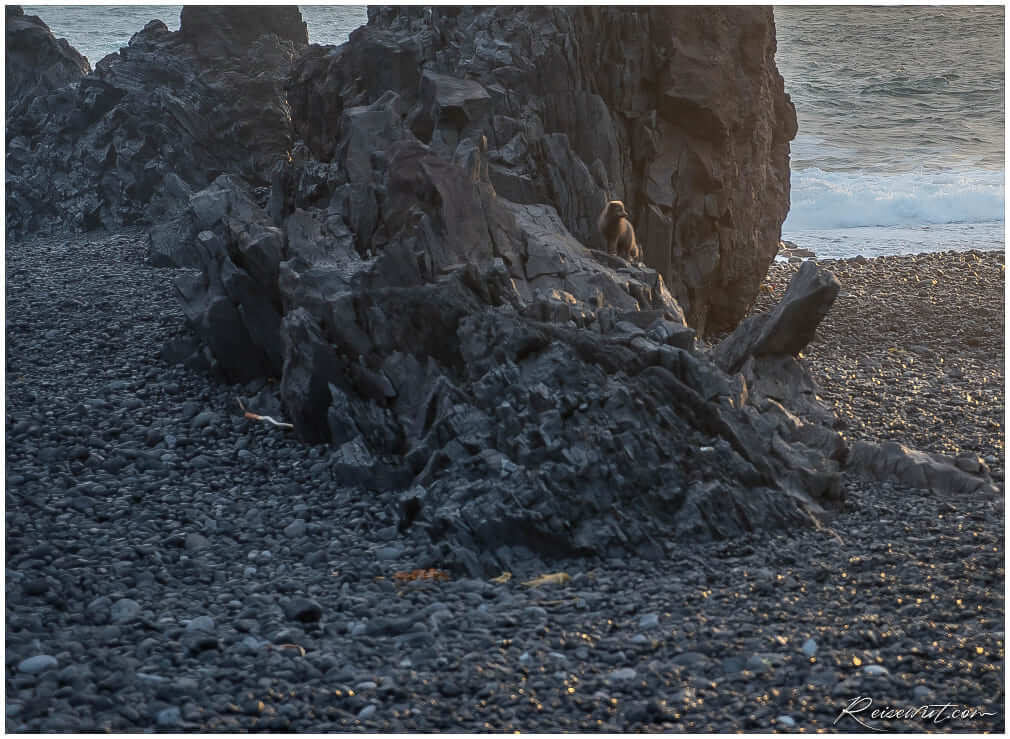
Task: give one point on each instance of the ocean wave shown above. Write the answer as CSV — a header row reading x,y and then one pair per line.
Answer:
x,y
906,86
827,200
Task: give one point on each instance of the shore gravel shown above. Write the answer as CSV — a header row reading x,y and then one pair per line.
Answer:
x,y
174,566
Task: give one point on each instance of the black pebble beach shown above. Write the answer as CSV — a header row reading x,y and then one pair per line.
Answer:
x,y
174,566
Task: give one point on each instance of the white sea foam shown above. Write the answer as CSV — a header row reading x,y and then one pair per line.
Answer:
x,y
834,200
878,241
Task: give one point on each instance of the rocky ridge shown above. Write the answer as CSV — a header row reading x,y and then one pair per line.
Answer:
x,y
36,62
154,122
927,372
467,348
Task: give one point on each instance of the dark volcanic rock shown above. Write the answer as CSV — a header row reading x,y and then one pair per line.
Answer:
x,y
37,62
154,122
419,281
763,347
229,30
534,397
679,112
787,328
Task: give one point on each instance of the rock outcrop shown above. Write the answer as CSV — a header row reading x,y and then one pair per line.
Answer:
x,y
36,61
679,112
154,122
939,473
523,412
444,324
419,275
420,278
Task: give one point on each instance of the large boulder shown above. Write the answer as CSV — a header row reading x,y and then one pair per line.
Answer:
x,y
787,328
154,122
36,61
680,112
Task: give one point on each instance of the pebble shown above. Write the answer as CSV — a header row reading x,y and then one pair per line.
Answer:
x,y
761,663
169,717
38,663
689,658
206,418
875,670
367,712
810,647
921,692
295,529
649,621
201,623
124,610
251,642
387,553
195,542
786,720
622,674
303,609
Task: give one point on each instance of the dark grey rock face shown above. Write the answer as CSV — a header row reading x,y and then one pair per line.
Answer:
x,y
787,328
231,29
154,122
529,397
679,112
36,61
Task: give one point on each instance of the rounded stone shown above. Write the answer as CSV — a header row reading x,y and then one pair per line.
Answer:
x,y
624,673
124,610
875,670
810,647
170,716
38,663
201,623
649,621
303,609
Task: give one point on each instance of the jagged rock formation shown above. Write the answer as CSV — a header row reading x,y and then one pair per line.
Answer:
x,y
36,61
680,112
573,421
154,122
454,339
417,276
418,279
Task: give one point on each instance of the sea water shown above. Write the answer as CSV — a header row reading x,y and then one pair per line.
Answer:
x,y
98,30
901,117
900,109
